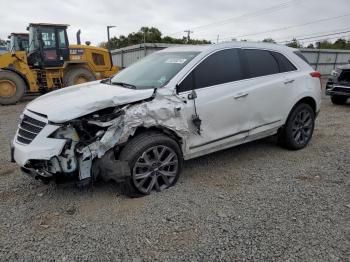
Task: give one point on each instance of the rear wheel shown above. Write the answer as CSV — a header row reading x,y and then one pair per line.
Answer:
x,y
339,100
12,87
299,127
155,162
78,75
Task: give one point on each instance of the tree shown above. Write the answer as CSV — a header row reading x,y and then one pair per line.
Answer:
x,y
310,46
148,35
269,40
295,44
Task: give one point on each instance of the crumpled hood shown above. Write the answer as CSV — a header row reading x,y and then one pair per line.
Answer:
x,y
75,101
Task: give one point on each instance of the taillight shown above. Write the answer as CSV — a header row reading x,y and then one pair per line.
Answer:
x,y
316,74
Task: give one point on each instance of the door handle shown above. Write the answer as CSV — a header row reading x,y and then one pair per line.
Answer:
x,y
289,81
240,95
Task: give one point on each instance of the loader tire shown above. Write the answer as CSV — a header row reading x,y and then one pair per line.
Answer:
x,y
78,75
12,87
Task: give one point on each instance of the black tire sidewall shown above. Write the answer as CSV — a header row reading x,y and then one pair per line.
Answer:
x,y
20,87
339,100
131,156
289,140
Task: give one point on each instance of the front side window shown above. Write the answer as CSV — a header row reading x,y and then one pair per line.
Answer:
x,y
260,63
155,70
219,68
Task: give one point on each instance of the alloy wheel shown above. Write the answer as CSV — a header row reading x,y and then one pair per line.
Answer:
x,y
156,169
302,127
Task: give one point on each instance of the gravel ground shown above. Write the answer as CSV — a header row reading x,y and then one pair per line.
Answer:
x,y
255,202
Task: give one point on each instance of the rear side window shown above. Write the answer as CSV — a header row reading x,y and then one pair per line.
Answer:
x,y
284,64
260,63
219,68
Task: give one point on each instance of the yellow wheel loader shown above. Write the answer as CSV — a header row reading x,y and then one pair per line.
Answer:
x,y
50,63
18,42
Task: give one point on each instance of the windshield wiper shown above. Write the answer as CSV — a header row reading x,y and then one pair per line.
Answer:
x,y
124,85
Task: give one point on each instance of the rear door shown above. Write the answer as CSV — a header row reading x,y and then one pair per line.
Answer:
x,y
219,103
269,86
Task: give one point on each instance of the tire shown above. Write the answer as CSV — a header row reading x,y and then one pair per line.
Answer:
x,y
298,130
12,87
78,75
138,153
339,100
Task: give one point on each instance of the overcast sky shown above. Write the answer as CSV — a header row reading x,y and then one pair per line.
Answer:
x,y
241,19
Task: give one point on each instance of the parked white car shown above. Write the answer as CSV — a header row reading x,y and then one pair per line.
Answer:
x,y
179,103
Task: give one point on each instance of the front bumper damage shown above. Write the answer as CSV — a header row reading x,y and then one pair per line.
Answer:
x,y
97,158
333,88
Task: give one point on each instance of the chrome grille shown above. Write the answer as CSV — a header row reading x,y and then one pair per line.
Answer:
x,y
28,129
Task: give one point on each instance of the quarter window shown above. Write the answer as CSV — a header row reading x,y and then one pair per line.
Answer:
x,y
260,63
284,64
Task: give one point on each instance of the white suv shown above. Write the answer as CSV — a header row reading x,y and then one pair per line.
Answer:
x,y
137,127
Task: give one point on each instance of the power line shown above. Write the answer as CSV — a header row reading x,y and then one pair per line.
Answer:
x,y
318,36
289,27
287,38
252,14
322,39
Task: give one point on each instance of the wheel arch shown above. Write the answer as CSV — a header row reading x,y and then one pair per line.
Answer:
x,y
306,100
22,76
160,129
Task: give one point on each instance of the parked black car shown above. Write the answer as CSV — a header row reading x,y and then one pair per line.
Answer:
x,y
338,85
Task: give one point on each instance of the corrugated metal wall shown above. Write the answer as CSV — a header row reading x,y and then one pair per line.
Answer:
x,y
323,60
326,60
124,57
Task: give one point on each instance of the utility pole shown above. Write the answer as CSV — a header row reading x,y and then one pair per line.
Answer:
x,y
217,39
189,32
108,37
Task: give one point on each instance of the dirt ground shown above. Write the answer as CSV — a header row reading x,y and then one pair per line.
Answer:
x,y
255,202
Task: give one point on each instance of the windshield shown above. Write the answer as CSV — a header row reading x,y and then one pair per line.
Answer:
x,y
154,71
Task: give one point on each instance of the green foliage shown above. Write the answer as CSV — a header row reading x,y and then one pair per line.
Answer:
x,y
340,43
294,43
148,35
269,40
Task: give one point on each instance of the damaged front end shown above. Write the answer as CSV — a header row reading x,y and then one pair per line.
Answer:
x,y
92,142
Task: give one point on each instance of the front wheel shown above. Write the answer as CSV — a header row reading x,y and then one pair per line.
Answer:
x,y
298,130
338,100
12,87
155,162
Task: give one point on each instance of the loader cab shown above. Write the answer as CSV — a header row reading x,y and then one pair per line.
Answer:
x,y
48,45
18,42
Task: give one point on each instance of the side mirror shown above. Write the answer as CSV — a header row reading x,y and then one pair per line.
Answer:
x,y
192,95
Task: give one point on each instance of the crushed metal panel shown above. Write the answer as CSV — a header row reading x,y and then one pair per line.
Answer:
x,y
163,111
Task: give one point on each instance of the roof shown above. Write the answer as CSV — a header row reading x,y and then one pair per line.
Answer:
x,y
48,24
23,34
241,44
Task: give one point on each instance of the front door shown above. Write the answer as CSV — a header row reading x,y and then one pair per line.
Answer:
x,y
219,104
